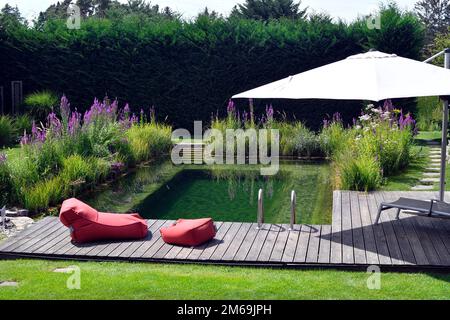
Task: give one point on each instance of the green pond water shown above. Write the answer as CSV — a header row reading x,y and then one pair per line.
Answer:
x,y
225,193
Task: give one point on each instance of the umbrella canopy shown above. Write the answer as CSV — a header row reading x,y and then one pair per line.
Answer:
x,y
371,76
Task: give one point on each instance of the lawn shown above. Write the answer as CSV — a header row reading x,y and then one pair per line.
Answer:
x,y
158,281
429,136
409,178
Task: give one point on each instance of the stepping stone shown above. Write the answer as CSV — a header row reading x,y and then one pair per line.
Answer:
x,y
429,181
432,174
422,188
435,157
4,284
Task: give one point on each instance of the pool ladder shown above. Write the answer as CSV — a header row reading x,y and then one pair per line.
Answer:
x,y
260,217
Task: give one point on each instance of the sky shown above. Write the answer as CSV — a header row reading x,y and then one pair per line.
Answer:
x,y
344,9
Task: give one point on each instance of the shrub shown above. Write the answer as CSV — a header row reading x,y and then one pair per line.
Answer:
x,y
99,168
8,133
40,104
149,140
334,138
45,193
203,61
297,140
76,170
429,114
24,174
23,123
47,156
361,174
6,184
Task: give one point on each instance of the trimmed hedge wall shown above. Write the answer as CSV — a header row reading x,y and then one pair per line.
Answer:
x,y
188,70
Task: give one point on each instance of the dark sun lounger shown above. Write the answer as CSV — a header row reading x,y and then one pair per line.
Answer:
x,y
433,208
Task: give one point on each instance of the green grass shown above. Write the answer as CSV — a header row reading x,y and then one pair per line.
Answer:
x,y
409,178
429,135
158,281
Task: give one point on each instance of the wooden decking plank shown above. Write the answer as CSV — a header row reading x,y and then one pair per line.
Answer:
x,y
257,245
312,255
348,256
430,240
153,228
185,252
411,248
336,228
443,232
388,229
62,234
163,250
302,244
237,242
280,244
29,236
423,238
325,245
222,247
152,237
28,242
291,245
65,242
247,243
49,238
359,247
269,243
35,227
381,242
406,248
125,245
410,240
212,245
367,228
426,227
157,243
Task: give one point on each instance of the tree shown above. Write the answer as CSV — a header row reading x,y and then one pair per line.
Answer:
x,y
209,14
11,17
269,9
59,11
435,15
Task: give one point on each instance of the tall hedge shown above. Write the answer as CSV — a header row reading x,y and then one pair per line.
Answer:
x,y
188,70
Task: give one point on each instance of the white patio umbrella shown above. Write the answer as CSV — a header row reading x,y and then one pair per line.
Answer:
x,y
371,76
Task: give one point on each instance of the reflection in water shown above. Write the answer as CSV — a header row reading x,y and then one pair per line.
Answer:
x,y
164,191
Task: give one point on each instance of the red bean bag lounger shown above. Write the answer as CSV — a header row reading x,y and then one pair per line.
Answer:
x,y
88,225
189,233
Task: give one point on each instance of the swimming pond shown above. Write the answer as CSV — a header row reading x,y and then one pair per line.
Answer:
x,y
225,193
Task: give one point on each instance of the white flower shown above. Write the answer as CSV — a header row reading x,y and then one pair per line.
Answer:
x,y
358,127
365,117
376,110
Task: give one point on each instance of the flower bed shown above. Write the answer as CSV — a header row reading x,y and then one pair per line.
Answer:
x,y
73,152
377,145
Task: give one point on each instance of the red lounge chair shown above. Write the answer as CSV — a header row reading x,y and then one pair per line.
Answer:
x,y
189,233
88,225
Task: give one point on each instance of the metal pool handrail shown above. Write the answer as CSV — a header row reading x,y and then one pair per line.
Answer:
x,y
293,209
260,217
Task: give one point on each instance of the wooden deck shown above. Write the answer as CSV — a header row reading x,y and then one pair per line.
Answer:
x,y
352,241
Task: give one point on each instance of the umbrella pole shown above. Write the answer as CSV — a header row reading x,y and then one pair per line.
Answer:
x,y
444,135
